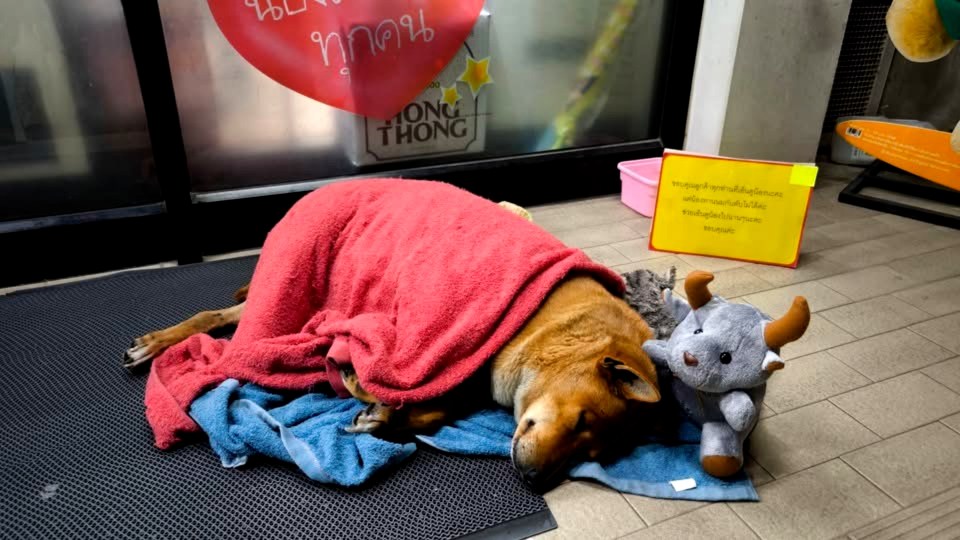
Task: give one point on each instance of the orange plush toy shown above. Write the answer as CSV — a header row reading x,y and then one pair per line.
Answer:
x,y
924,31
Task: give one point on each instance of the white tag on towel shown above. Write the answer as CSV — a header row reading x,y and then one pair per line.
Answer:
x,y
683,485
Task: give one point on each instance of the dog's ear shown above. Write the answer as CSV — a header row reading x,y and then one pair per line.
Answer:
x,y
629,382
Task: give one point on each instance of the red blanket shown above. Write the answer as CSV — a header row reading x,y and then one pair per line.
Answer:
x,y
416,284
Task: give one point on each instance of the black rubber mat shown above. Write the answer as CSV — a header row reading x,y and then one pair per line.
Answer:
x,y
77,459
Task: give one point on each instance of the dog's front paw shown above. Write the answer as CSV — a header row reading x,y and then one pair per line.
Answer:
x,y
375,418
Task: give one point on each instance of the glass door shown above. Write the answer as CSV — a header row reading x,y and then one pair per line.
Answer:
x,y
73,134
564,74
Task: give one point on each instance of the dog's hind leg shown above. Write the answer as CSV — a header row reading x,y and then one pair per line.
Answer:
x,y
425,417
373,418
146,348
352,383
241,294
381,418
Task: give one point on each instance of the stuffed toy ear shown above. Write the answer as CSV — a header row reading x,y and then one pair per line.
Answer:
x,y
772,362
658,351
632,384
676,305
918,28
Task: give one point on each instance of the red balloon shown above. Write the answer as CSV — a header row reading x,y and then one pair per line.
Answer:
x,y
370,57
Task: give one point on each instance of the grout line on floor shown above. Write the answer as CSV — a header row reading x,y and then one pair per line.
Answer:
x,y
634,510
848,301
622,536
829,350
747,525
882,438
758,464
845,244
849,270
905,507
948,425
831,289
812,465
683,513
843,457
923,253
934,282
938,383
893,523
862,374
871,482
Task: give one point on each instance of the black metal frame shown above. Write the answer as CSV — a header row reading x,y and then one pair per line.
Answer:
x,y
886,177
188,230
149,48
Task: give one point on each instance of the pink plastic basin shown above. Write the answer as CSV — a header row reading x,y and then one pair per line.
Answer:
x,y
640,179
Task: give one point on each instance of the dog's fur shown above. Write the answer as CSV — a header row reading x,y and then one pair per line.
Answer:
x,y
573,375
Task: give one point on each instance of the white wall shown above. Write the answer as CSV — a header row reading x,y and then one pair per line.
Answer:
x,y
768,99
713,73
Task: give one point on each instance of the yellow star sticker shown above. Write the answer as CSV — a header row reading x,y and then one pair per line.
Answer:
x,y
450,95
476,74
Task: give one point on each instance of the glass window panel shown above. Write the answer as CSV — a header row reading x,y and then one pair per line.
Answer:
x,y
243,129
73,131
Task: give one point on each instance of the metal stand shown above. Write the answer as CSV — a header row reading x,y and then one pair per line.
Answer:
x,y
886,177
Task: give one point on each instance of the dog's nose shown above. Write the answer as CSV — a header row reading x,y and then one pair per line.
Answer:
x,y
529,475
690,360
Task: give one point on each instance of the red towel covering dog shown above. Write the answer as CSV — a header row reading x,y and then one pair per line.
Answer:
x,y
416,284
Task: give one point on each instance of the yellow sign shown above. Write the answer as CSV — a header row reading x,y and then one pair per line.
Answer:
x,y
737,209
923,152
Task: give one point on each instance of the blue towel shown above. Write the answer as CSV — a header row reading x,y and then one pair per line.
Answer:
x,y
647,470
308,430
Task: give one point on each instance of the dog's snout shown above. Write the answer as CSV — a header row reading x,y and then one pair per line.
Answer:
x,y
690,360
540,479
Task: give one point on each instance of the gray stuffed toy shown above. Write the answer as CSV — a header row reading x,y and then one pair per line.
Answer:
x,y
721,355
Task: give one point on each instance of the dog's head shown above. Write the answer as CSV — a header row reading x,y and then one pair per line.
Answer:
x,y
573,410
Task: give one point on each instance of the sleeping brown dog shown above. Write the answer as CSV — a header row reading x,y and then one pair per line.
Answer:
x,y
574,375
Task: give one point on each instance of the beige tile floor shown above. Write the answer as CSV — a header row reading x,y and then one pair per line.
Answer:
x,y
860,434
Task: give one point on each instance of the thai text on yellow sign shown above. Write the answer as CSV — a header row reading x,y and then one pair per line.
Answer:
x,y
738,209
